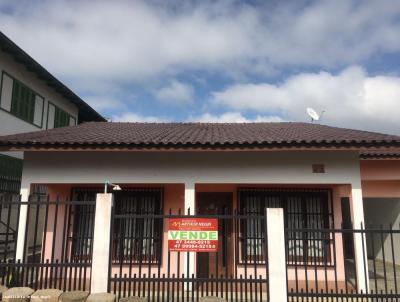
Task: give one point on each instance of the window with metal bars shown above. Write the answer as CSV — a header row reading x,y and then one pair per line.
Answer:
x,y
81,219
303,209
10,174
137,234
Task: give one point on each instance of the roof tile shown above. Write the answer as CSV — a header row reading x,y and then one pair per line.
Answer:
x,y
182,135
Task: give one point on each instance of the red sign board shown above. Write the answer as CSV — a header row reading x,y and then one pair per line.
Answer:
x,y
193,234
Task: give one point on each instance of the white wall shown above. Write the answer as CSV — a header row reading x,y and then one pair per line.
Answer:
x,y
184,167
10,124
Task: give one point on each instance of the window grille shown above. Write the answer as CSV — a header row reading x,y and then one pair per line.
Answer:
x,y
137,233
302,209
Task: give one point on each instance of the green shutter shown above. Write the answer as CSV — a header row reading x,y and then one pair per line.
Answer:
x,y
23,102
10,174
61,118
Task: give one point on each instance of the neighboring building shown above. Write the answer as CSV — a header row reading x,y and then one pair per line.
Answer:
x,y
31,99
318,174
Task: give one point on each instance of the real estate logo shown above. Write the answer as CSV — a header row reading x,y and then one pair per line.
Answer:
x,y
193,234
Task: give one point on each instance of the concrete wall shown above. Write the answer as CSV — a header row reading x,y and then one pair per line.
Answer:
x,y
382,170
183,167
381,188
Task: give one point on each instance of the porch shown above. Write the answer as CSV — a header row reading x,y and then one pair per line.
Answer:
x,y
59,238
141,212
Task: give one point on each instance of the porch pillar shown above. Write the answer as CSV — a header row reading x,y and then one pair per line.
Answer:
x,y
101,243
23,215
276,255
190,257
360,245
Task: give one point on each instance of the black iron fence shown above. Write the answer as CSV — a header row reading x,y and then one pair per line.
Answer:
x,y
143,265
58,243
321,264
9,213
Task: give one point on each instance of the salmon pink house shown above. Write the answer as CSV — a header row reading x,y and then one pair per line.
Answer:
x,y
300,209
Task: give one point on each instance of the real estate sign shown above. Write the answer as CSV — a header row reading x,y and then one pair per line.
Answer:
x,y
193,234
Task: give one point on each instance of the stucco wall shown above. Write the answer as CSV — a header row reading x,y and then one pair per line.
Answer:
x,y
191,167
10,124
381,188
380,170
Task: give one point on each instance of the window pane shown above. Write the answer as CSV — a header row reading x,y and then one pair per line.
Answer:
x,y
23,102
302,209
137,238
61,118
82,217
38,115
6,92
51,116
72,121
83,229
10,174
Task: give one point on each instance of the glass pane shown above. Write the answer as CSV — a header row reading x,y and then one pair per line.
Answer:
x,y
72,121
38,110
51,116
22,104
6,92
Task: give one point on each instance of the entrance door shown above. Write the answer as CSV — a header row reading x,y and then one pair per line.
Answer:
x,y
221,262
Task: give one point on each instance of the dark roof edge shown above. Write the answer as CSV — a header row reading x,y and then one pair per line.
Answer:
x,y
86,112
393,155
200,146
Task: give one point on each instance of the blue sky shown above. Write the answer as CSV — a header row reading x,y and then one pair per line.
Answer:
x,y
220,61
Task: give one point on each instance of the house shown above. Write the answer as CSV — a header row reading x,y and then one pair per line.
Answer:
x,y
330,182
31,99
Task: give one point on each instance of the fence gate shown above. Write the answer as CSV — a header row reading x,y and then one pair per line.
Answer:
x,y
9,213
58,244
322,267
143,265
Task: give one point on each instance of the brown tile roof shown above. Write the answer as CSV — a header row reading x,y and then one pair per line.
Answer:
x,y
199,135
380,155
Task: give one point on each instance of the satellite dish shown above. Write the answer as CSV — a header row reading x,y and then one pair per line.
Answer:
x,y
313,114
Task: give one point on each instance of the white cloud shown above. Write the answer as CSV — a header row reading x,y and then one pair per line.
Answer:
x,y
227,117
175,93
105,48
133,40
103,103
232,117
133,117
350,98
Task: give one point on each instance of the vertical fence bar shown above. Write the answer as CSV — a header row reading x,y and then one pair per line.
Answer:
x,y
22,223
276,255
357,210
101,243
